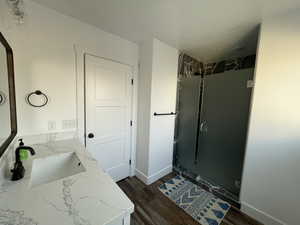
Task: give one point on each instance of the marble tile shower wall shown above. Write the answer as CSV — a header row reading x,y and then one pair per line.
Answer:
x,y
189,66
231,64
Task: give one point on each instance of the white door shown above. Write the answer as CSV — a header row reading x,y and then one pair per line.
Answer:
x,y
108,114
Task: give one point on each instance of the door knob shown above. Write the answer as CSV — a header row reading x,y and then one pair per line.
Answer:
x,y
90,135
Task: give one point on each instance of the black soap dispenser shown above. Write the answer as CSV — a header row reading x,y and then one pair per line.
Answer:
x,y
21,142
19,170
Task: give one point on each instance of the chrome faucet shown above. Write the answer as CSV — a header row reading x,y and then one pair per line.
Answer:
x,y
19,170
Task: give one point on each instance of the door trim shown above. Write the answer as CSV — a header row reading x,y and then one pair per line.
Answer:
x,y
80,53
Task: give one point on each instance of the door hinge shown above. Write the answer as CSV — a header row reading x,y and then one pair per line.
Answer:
x,y
250,83
131,81
131,123
129,161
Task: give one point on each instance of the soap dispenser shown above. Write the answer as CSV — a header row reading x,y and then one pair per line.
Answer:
x,y
19,170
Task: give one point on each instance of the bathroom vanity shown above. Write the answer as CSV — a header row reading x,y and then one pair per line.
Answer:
x,y
63,184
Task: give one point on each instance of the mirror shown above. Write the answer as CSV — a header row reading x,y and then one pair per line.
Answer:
x,y
4,100
8,120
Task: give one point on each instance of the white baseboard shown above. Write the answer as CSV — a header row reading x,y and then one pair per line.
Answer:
x,y
141,176
154,177
160,174
260,215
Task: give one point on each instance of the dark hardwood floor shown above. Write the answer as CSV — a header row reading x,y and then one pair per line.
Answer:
x,y
153,208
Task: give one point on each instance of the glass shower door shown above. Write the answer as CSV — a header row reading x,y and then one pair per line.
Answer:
x,y
187,123
223,128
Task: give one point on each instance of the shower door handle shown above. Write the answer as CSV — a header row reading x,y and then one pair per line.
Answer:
x,y
203,127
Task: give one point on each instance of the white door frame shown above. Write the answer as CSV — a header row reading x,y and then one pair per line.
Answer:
x,y
80,96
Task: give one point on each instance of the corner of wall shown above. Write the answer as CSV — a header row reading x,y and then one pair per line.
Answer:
x,y
154,177
144,98
141,176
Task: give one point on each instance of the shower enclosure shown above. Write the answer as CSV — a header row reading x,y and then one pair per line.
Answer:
x,y
212,123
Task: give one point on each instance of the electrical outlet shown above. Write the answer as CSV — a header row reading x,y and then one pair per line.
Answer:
x,y
68,124
51,125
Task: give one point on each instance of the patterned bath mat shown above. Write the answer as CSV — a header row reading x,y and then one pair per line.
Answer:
x,y
203,206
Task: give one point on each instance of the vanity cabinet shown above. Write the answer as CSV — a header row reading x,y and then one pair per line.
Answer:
x,y
62,197
157,110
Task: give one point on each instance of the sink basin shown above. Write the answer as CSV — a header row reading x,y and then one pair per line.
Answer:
x,y
55,167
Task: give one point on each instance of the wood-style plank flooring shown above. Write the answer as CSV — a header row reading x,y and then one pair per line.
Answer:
x,y
153,208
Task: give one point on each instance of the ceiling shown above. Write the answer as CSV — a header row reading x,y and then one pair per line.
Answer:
x,y
205,29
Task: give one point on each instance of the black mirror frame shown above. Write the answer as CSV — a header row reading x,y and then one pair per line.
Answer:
x,y
12,95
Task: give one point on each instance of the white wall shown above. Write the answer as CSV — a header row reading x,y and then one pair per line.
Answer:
x,y
163,100
157,93
144,99
271,179
45,59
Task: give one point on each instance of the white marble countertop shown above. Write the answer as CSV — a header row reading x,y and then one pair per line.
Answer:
x,y
87,198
